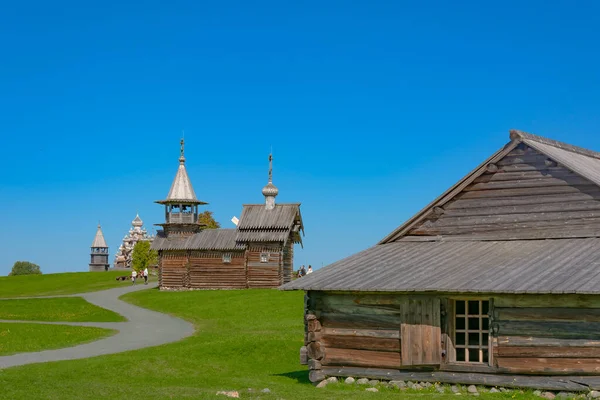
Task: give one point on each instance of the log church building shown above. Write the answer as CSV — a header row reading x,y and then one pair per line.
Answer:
x,y
496,282
258,253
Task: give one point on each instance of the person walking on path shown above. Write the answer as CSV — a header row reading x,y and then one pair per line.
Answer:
x,y
146,276
133,276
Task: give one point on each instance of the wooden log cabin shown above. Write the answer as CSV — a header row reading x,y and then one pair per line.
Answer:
x,y
495,282
258,253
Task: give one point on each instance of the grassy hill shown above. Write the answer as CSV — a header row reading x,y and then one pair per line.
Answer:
x,y
58,284
69,309
246,340
17,337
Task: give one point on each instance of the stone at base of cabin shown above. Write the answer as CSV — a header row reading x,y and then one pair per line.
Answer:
x,y
362,381
455,389
373,382
371,389
594,394
232,394
548,395
349,380
564,395
537,393
398,384
441,389
494,390
316,375
266,390
472,389
426,384
322,384
332,379
417,386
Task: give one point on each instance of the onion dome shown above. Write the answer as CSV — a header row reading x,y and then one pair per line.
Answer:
x,y
270,190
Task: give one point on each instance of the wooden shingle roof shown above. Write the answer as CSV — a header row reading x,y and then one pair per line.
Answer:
x,y
521,266
208,239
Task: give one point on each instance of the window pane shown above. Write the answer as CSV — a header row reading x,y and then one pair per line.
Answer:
x,y
485,356
460,323
460,355
473,324
473,355
474,307
460,307
485,324
460,338
473,339
485,306
484,339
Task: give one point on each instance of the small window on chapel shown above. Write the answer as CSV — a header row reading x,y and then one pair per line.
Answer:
x,y
264,257
226,258
471,331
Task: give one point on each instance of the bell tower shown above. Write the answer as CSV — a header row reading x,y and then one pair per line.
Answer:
x,y
99,252
181,204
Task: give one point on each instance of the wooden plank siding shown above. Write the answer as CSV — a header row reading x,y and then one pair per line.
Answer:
x,y
529,334
548,335
180,269
208,271
264,274
527,196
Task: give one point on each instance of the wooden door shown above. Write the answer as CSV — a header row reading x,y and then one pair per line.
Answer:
x,y
420,332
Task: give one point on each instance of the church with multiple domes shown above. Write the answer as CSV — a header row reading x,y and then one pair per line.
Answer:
x,y
257,253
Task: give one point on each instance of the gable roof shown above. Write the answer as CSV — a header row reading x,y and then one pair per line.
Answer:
x,y
99,239
579,160
557,264
258,224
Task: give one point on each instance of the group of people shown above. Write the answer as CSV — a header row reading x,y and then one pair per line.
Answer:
x,y
303,271
134,275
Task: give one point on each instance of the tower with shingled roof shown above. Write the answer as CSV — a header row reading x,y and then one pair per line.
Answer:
x,y
99,252
181,204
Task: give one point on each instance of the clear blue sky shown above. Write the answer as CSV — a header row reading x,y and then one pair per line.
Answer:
x,y
372,108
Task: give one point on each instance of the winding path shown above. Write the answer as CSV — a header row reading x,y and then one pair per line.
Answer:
x,y
143,328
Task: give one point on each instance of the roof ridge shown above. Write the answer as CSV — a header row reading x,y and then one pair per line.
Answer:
x,y
517,134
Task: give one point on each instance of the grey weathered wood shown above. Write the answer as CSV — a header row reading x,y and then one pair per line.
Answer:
x,y
564,198
548,300
575,330
385,334
534,207
548,314
562,383
523,341
558,173
529,183
486,194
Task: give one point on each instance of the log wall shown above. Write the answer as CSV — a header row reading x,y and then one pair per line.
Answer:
x,y
524,195
207,271
545,335
173,269
264,274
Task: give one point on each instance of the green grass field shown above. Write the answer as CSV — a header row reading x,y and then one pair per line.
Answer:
x,y
58,284
245,340
22,337
68,309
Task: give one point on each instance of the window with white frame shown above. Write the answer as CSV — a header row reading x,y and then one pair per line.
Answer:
x,y
226,258
264,257
471,331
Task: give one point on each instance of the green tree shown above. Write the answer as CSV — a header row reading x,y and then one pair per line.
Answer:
x,y
208,220
143,256
25,268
